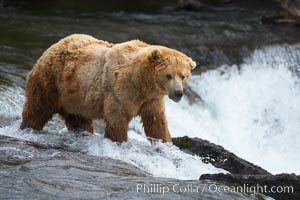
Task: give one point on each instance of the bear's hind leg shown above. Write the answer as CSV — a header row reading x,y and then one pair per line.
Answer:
x,y
41,100
35,116
75,122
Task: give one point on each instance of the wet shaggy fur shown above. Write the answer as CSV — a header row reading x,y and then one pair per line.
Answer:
x,y
83,78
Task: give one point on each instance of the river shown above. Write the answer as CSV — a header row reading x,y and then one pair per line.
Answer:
x,y
247,82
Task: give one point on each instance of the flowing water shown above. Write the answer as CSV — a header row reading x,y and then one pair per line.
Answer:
x,y
251,109
253,112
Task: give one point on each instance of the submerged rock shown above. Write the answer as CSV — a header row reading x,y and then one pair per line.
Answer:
x,y
217,156
30,170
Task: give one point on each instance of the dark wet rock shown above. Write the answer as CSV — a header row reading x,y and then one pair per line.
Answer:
x,y
212,57
192,5
98,5
192,96
217,5
217,156
209,56
218,57
243,173
32,171
289,183
288,12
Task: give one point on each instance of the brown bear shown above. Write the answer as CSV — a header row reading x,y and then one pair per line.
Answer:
x,y
82,78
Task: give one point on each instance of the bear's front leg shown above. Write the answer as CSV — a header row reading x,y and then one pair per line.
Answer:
x,y
116,120
154,120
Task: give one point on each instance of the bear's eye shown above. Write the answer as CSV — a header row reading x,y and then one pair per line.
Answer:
x,y
182,77
169,77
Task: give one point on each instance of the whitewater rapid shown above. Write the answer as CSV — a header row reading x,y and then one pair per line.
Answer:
x,y
252,110
158,159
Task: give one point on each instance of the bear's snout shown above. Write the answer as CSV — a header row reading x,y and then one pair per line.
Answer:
x,y
178,94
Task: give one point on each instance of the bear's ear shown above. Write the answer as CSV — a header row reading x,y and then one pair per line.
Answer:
x,y
155,56
192,64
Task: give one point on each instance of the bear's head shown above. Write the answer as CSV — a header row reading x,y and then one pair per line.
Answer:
x,y
172,70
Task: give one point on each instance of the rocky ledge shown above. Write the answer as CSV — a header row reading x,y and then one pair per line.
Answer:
x,y
244,174
29,170
217,156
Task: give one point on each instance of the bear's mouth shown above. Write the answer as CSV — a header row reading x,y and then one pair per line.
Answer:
x,y
174,98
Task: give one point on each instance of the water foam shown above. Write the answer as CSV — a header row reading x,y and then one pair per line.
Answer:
x,y
158,159
253,111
